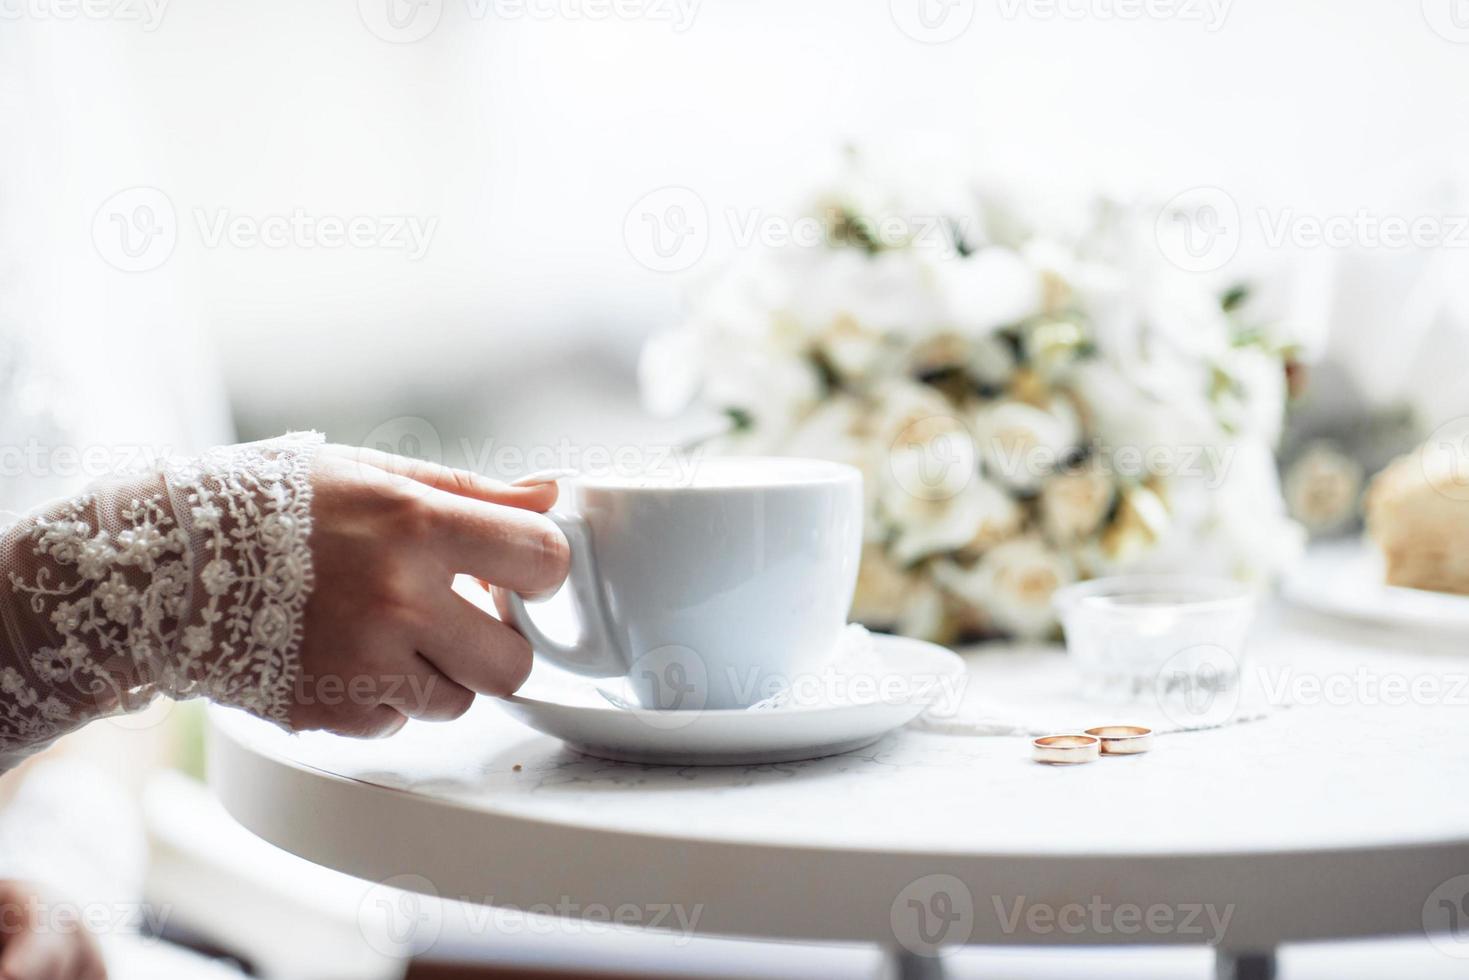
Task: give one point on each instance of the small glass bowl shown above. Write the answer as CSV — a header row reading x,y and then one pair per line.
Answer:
x,y
1132,636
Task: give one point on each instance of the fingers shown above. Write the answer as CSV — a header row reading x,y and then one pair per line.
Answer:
x,y
505,546
378,721
27,955
427,693
66,955
474,649
534,496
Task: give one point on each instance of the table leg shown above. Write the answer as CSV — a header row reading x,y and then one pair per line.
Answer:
x,y
903,965
1244,966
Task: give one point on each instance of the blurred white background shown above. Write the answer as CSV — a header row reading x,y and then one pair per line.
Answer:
x,y
521,135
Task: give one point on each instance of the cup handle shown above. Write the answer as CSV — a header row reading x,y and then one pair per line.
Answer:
x,y
593,654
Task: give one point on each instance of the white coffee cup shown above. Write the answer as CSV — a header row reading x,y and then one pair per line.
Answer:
x,y
704,589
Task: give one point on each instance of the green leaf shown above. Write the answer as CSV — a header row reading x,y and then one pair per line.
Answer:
x,y
1234,297
739,419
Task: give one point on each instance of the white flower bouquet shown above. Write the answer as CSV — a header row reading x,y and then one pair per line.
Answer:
x,y
1030,402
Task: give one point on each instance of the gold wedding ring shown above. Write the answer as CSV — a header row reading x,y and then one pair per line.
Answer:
x,y
1066,750
1123,739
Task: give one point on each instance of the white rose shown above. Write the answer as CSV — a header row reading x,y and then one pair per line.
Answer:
x,y
902,408
923,611
839,429
1057,266
1123,415
1323,487
991,361
1014,583
990,289
856,354
978,515
776,390
1072,505
1020,444
1236,528
931,492
887,294
1182,312
884,588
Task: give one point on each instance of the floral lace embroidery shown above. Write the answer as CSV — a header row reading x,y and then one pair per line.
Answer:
x,y
189,581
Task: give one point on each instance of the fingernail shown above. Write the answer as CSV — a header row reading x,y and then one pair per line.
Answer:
x,y
544,476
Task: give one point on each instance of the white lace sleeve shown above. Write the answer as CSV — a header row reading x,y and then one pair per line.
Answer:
x,y
187,581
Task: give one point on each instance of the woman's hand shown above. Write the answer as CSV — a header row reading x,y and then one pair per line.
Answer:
x,y
41,939
386,639
307,584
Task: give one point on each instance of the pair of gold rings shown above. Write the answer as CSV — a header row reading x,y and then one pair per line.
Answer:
x,y
1068,750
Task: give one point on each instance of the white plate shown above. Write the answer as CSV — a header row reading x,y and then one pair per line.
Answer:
x,y
1346,579
914,674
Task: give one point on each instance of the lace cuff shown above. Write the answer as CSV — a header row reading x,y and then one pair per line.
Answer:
x,y
187,581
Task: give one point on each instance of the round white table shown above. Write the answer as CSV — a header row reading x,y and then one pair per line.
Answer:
x,y
1344,815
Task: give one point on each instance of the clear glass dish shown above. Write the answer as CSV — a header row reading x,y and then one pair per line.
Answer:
x,y
1176,638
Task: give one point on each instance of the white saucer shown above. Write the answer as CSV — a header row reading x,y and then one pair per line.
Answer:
x,y
913,674
1346,579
